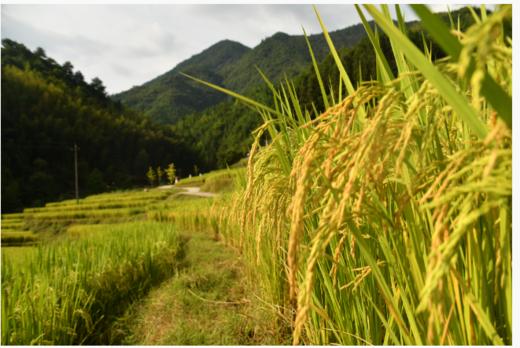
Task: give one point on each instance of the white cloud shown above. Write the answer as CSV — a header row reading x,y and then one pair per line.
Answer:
x,y
127,45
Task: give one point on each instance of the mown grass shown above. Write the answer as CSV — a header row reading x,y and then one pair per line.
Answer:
x,y
71,290
386,219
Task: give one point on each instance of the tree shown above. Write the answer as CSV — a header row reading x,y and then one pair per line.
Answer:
x,y
68,68
40,52
141,161
98,86
150,174
95,181
160,174
78,78
170,173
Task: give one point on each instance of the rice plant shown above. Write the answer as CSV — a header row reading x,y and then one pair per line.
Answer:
x,y
386,219
69,291
111,207
15,237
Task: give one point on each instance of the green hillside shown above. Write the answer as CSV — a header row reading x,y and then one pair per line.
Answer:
x,y
283,54
46,109
171,96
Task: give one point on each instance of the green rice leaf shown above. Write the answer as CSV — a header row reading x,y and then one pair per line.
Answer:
x,y
317,71
382,62
246,100
343,73
335,55
492,92
483,320
445,88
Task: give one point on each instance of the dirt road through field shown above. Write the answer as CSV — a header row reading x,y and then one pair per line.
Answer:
x,y
195,191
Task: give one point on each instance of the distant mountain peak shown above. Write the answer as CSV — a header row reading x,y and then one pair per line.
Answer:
x,y
228,43
171,96
280,35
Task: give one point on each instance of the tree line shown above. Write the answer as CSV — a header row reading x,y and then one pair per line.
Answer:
x,y
47,108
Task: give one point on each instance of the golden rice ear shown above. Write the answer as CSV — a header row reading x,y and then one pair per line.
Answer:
x,y
392,228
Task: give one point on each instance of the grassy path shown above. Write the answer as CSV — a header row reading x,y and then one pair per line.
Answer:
x,y
205,304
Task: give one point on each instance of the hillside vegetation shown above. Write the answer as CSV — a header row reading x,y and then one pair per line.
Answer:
x,y
170,97
46,109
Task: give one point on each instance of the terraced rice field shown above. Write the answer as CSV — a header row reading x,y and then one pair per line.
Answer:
x,y
55,217
385,220
13,230
94,258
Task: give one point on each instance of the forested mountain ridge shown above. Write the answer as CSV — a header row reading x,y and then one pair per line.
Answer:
x,y
285,55
46,109
221,135
171,96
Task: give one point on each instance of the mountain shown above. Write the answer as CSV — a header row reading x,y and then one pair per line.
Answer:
x,y
171,96
221,135
46,109
283,54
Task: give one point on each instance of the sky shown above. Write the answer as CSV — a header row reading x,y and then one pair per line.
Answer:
x,y
128,44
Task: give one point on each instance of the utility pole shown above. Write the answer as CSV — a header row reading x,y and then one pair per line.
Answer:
x,y
76,171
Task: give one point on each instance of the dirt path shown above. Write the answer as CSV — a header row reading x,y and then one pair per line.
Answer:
x,y
195,191
189,191
205,304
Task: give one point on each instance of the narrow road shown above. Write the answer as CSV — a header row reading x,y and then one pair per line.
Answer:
x,y
195,191
189,191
